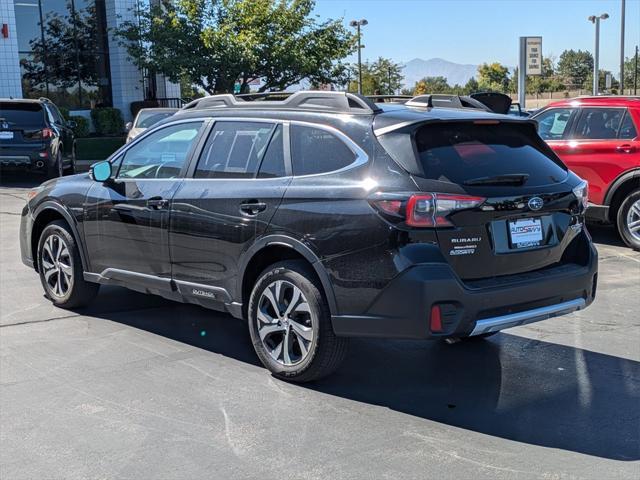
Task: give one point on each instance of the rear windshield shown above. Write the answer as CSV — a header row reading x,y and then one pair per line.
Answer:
x,y
21,113
146,119
459,152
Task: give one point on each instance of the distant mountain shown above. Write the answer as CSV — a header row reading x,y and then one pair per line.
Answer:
x,y
418,68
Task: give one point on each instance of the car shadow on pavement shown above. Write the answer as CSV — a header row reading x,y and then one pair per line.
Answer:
x,y
606,234
508,386
12,179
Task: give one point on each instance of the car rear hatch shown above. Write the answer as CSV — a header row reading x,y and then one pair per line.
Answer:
x,y
21,123
497,197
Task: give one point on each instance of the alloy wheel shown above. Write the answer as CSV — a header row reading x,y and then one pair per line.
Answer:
x,y
633,220
56,265
285,323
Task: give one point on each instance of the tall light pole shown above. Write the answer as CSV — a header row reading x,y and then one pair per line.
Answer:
x,y
622,48
357,24
596,57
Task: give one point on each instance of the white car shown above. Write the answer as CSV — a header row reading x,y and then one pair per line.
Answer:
x,y
146,118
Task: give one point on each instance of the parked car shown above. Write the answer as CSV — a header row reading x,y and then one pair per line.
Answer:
x,y
146,118
323,217
597,138
35,136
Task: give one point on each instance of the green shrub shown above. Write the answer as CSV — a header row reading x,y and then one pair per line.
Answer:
x,y
107,121
81,129
97,148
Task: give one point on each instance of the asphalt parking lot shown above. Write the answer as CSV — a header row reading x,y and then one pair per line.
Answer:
x,y
139,387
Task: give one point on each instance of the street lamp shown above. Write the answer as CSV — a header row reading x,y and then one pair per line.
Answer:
x,y
596,71
357,24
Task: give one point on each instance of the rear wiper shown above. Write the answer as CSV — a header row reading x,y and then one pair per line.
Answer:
x,y
511,179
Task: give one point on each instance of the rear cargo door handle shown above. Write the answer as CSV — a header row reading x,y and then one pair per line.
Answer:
x,y
252,207
158,203
626,148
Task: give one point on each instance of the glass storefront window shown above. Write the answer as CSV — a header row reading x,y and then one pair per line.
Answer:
x,y
65,55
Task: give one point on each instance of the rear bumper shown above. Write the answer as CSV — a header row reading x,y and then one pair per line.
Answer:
x,y
25,157
404,307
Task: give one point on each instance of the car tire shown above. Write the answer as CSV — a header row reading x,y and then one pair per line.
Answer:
x,y
628,220
60,268
55,169
293,337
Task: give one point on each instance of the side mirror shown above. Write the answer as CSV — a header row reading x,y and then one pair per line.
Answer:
x,y
128,126
71,124
101,171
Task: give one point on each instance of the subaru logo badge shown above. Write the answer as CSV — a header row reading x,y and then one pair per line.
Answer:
x,y
535,203
5,125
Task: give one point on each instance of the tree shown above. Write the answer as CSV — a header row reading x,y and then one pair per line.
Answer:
x,y
574,66
629,68
471,86
493,76
376,76
217,43
431,85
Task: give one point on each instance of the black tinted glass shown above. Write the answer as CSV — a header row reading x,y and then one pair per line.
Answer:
x,y
17,114
458,152
273,161
234,150
314,150
627,128
599,123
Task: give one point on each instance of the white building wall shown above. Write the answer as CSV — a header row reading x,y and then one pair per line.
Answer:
x,y
10,85
126,79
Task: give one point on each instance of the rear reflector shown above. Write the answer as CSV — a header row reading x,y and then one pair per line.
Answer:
x,y
435,319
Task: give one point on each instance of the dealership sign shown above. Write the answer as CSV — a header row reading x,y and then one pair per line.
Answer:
x,y
533,55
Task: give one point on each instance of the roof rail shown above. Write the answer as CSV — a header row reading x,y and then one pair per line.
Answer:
x,y
446,101
309,100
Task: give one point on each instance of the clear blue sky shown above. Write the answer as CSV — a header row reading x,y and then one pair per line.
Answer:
x,y
476,31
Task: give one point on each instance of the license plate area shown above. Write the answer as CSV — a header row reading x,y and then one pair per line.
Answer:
x,y
525,233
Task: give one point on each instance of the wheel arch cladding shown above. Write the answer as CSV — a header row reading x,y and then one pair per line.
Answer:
x,y
45,214
620,188
268,252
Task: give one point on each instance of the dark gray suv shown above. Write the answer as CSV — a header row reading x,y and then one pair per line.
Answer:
x,y
322,217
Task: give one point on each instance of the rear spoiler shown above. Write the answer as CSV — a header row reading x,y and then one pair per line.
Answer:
x,y
488,119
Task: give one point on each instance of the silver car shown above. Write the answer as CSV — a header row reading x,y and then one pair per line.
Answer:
x,y
146,118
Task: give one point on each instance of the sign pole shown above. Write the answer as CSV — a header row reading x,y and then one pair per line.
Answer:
x,y
522,72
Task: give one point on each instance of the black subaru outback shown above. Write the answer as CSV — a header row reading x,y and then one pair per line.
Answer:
x,y
325,216
35,136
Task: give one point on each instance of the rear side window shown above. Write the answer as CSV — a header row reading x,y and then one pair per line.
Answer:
x,y
552,124
598,123
314,150
18,114
458,152
234,150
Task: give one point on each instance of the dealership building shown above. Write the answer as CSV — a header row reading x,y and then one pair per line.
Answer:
x,y
64,50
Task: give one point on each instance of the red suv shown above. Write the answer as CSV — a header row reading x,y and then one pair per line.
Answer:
x,y
597,138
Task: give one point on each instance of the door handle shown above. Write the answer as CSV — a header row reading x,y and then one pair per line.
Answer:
x,y
157,203
626,148
252,207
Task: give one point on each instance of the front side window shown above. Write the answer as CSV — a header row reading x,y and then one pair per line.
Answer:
x,y
161,154
314,150
552,124
234,150
598,123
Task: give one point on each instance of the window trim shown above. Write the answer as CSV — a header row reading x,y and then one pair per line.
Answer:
x,y
361,156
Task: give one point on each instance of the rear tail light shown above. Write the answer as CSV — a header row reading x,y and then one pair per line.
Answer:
x,y
428,209
43,134
582,194
435,320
